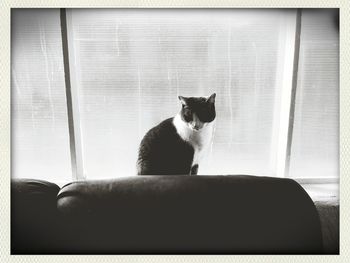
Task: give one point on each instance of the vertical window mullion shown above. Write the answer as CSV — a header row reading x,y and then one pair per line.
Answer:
x,y
293,91
285,112
75,138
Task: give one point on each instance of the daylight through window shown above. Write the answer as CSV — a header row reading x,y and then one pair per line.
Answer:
x,y
128,67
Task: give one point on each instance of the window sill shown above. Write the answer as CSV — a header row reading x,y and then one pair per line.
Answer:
x,y
322,192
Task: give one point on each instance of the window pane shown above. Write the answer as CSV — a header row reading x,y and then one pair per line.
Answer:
x,y
40,143
132,64
316,122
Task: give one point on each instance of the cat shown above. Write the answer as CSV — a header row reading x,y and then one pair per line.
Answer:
x,y
176,145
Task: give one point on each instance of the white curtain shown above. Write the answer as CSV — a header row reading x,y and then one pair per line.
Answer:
x,y
315,144
131,64
40,142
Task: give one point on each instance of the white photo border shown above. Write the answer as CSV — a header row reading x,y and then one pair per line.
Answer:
x,y
5,124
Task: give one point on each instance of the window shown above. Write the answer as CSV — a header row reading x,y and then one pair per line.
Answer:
x,y
129,65
315,144
40,142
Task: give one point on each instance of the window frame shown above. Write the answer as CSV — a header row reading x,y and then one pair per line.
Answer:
x,y
75,135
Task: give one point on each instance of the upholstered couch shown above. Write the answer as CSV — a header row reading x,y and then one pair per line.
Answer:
x,y
164,215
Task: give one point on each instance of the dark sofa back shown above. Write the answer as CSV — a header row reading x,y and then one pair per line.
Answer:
x,y
34,224
165,214
189,214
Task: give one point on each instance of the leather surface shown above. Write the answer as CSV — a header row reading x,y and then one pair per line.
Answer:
x,y
328,211
34,221
188,214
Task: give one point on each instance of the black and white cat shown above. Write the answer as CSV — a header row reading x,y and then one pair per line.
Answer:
x,y
176,145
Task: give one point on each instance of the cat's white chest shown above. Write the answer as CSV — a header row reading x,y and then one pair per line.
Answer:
x,y
199,140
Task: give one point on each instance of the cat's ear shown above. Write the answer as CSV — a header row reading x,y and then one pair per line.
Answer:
x,y
183,100
211,98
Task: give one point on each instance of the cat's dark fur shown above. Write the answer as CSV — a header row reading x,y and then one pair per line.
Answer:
x,y
171,147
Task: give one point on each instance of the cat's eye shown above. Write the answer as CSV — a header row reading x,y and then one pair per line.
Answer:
x,y
187,111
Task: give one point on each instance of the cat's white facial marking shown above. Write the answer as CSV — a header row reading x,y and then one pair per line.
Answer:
x,y
196,124
197,133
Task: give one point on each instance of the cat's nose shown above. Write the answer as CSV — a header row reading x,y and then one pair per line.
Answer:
x,y
196,127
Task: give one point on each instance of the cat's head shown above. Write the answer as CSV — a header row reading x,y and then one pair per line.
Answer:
x,y
197,112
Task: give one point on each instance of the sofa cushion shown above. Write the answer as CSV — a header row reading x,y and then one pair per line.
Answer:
x,y
328,211
33,216
189,214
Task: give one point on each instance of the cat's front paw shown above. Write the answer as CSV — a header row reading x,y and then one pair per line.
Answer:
x,y
194,169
